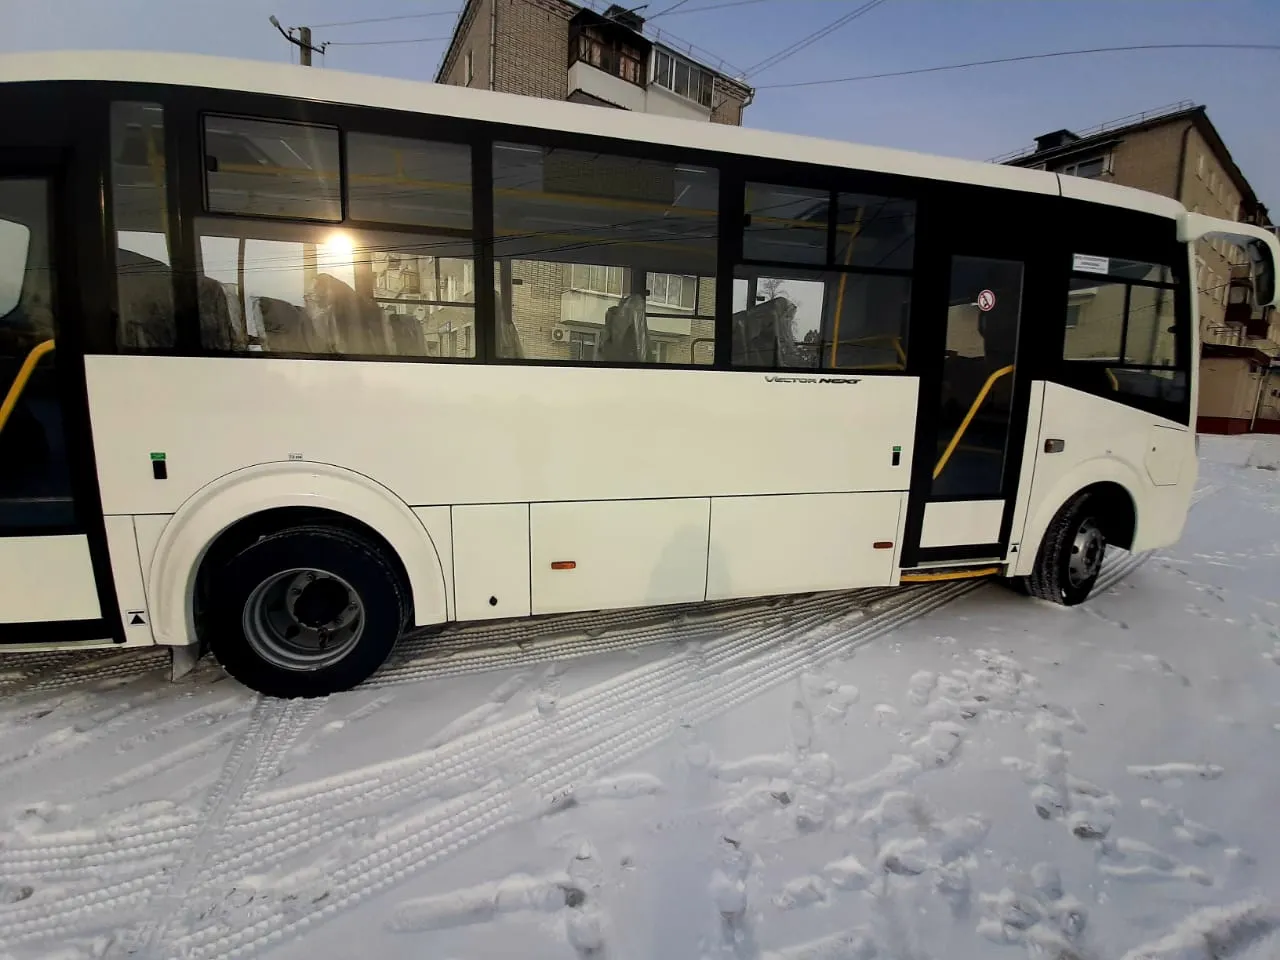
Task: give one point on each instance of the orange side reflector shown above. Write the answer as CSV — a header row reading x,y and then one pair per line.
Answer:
x,y
563,564
883,544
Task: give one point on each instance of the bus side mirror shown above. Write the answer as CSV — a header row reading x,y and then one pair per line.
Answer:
x,y
15,242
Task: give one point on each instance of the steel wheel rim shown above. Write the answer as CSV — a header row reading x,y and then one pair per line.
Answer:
x,y
303,619
1086,553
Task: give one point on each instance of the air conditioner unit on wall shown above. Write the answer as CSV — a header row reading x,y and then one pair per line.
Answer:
x,y
559,334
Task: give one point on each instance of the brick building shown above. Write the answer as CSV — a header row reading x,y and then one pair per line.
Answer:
x,y
1176,151
562,51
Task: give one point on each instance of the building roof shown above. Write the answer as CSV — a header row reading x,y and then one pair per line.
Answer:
x,y
335,86
623,18
1231,351
1061,144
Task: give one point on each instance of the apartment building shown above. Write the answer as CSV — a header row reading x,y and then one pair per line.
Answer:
x,y
610,59
1176,151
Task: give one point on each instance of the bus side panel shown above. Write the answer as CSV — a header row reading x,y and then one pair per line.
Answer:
x,y
1153,459
771,545
438,434
627,553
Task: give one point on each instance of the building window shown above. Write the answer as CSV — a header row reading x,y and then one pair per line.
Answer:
x,y
468,68
592,46
271,169
826,280
144,280
606,281
682,77
672,290
1200,166
618,246
1123,335
1088,168
582,346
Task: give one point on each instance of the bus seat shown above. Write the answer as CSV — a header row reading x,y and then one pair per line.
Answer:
x,y
509,345
407,338
217,331
762,335
625,337
145,288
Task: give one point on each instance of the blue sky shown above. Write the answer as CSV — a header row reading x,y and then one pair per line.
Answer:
x,y
975,113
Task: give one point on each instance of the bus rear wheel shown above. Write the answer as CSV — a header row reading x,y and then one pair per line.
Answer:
x,y
1070,555
305,612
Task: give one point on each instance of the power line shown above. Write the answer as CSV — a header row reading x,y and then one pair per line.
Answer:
x,y
404,16
666,10
1025,57
716,6
382,43
820,33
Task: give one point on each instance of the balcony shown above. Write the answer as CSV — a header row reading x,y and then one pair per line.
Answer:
x,y
608,61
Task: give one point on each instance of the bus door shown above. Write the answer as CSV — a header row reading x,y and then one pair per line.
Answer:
x,y
974,390
49,590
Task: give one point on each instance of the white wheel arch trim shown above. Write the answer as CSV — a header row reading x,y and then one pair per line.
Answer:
x,y
242,493
1086,474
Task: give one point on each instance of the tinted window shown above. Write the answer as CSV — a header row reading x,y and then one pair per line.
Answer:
x,y
272,169
144,281
1123,332
326,291
853,312
603,258
395,180
818,320
785,224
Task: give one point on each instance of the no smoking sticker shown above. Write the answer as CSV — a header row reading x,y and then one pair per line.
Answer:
x,y
986,300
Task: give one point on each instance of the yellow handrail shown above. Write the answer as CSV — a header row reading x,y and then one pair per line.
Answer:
x,y
968,418
20,381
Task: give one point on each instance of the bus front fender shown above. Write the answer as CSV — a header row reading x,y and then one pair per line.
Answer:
x,y
1086,474
186,538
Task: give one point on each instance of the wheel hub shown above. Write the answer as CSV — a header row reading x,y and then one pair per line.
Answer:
x,y
1086,553
303,619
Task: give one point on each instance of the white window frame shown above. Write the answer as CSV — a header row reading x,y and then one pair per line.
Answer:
x,y
468,68
1071,168
666,76
663,300
582,281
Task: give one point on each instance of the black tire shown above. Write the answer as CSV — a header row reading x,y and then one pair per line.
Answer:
x,y
243,621
1070,556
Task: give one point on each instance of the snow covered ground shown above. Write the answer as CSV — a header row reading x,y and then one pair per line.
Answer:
x,y
945,771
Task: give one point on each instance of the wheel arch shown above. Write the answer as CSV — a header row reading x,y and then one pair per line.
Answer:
x,y
241,505
1111,480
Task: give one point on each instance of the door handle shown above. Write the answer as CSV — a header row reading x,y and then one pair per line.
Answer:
x,y
1055,446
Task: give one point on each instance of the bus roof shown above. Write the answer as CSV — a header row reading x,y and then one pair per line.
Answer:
x,y
251,76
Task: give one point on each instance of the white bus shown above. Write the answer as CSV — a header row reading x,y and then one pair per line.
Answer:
x,y
295,361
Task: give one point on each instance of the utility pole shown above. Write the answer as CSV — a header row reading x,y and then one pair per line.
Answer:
x,y
302,41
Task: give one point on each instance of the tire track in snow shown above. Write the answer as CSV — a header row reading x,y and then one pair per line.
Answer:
x,y
236,775
426,837
454,765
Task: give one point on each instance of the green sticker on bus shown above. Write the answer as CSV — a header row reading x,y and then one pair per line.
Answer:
x,y
157,456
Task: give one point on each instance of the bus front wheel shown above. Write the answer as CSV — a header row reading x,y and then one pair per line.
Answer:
x,y
1070,555
305,612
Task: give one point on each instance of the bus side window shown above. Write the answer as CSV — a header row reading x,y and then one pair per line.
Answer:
x,y
603,258
823,288
144,280
293,285
1123,332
